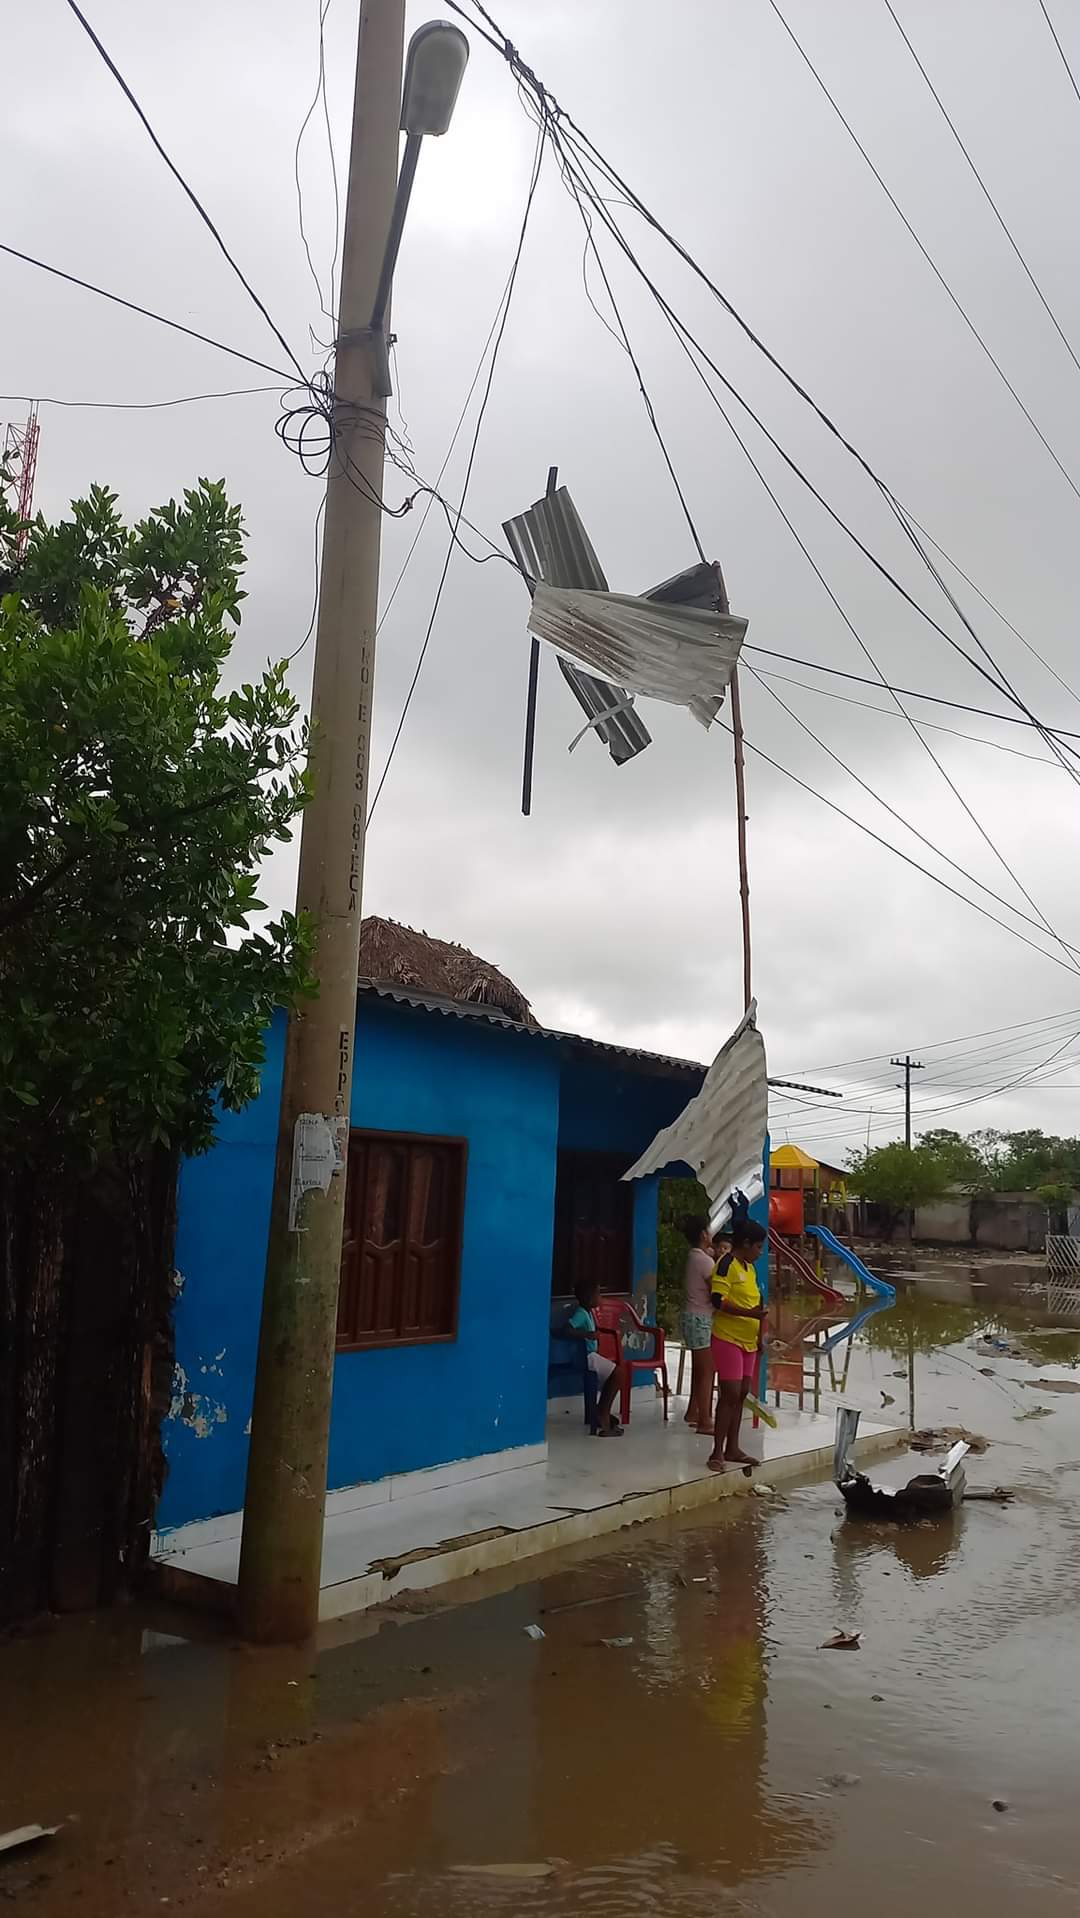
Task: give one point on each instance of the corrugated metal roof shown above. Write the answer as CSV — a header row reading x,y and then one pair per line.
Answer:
x,y
488,1015
680,654
550,543
721,1131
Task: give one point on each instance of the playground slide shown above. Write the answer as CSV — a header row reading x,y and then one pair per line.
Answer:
x,y
802,1268
865,1277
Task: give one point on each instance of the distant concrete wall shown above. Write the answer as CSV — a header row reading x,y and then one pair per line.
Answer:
x,y
999,1221
945,1222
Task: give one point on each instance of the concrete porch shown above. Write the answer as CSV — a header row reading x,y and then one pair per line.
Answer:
x,y
382,1540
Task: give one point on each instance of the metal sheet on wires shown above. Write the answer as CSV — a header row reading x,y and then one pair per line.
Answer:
x,y
550,544
679,654
720,1132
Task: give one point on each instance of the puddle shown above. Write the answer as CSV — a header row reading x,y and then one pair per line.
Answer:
x,y
692,1771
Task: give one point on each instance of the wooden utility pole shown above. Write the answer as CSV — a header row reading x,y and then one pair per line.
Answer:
x,y
908,1065
281,1550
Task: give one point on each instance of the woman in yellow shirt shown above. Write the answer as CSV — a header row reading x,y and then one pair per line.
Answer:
x,y
737,1329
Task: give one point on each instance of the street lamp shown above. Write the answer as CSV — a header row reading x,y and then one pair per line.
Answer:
x,y
434,66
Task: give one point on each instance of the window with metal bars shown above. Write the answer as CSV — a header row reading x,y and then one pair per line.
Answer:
x,y
401,1254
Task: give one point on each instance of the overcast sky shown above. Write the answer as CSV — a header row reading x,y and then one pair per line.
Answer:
x,y
615,906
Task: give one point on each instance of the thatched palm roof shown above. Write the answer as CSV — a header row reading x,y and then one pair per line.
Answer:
x,y
396,955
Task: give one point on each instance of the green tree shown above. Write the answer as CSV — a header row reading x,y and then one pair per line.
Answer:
x,y
138,796
898,1178
960,1159
679,1199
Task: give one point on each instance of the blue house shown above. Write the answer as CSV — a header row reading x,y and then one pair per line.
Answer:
x,y
484,1178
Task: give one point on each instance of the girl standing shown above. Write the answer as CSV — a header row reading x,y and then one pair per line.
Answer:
x,y
737,1336
697,1319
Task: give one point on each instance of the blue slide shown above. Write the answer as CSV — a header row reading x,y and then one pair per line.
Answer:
x,y
832,1244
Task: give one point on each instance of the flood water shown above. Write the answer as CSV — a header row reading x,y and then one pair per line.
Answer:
x,y
721,1762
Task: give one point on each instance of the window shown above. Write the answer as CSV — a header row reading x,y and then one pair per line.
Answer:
x,y
401,1255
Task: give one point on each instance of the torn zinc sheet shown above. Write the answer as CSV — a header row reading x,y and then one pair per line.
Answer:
x,y
684,655
550,543
720,1133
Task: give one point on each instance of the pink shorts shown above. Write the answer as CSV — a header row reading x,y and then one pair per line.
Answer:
x,y
732,1363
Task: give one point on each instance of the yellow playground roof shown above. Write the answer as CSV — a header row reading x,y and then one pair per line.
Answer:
x,y
792,1156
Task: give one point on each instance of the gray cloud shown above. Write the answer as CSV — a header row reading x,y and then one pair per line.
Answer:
x,y
615,905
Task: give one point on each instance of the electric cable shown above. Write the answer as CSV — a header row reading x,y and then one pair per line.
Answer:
x,y
559,122
889,712
976,822
320,93
987,195
178,176
511,282
859,824
146,312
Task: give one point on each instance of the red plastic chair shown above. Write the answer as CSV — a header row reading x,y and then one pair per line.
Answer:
x,y
614,1317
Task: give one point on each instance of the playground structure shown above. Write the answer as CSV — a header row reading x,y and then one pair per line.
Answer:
x,y
880,1287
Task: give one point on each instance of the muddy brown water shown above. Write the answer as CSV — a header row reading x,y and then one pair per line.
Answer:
x,y
721,1762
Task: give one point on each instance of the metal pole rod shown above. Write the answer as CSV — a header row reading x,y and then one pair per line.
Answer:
x,y
530,697
740,811
281,1549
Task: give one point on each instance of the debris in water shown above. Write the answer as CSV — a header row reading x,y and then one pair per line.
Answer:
x,y
841,1780
877,1698
26,1835
616,1644
887,1399
939,1438
1036,1412
1053,1385
600,1598
842,1642
989,1494
535,1631
1000,1804
503,1871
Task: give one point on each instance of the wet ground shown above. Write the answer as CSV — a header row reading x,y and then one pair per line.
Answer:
x,y
721,1761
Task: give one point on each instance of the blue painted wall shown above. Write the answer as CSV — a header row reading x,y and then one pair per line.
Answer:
x,y
606,1109
394,1410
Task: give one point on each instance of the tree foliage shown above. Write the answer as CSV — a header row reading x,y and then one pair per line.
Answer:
x,y
138,795
898,1177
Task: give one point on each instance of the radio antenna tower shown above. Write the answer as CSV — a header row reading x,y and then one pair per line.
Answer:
x,y
18,465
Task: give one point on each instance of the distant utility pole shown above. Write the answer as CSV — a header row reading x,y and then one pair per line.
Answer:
x,y
281,1548
907,1065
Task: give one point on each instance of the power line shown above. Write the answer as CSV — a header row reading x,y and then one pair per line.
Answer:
x,y
906,692
558,120
146,312
906,857
433,495
688,341
889,712
995,609
996,679
935,1045
569,174
320,93
537,163
140,406
987,195
927,256
650,410
178,176
1060,48
1038,924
